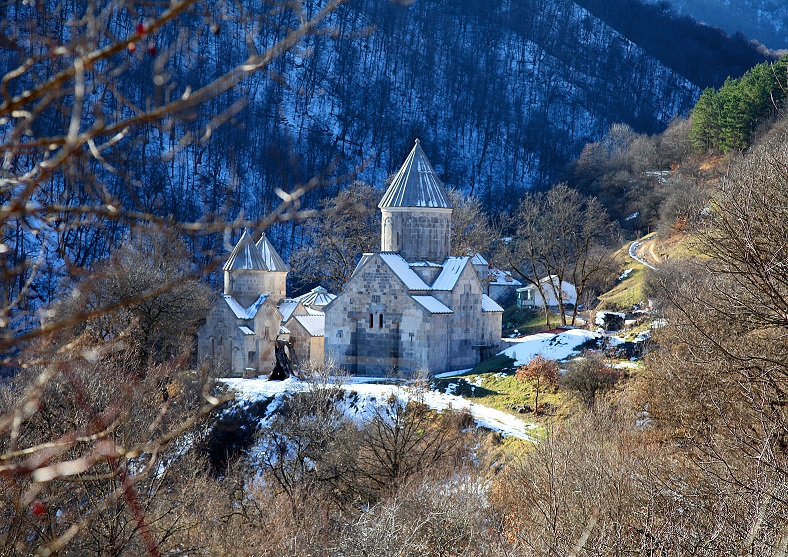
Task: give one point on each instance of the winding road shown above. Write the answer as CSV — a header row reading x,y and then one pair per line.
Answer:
x,y
633,253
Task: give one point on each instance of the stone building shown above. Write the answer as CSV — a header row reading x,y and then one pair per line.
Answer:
x,y
245,323
242,326
304,320
411,306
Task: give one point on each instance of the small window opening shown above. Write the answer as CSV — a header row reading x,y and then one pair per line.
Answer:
x,y
380,320
371,320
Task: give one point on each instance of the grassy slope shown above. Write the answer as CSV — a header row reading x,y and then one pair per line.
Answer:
x,y
493,383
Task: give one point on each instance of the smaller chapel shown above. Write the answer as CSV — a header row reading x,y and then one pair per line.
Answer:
x,y
411,306
253,316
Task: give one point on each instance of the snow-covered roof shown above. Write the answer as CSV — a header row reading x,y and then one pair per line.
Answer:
x,y
489,305
242,312
432,304
478,259
546,280
416,184
271,259
503,278
402,269
317,297
452,269
245,256
287,307
246,330
315,325
364,258
425,264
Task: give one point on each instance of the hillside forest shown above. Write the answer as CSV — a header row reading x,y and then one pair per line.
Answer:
x,y
139,140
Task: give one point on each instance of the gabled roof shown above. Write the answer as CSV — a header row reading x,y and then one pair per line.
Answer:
x,y
245,256
242,312
246,331
489,305
416,184
315,325
271,259
452,269
503,278
402,269
432,304
287,307
317,297
478,259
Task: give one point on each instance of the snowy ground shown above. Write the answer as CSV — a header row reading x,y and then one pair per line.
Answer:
x,y
550,345
371,390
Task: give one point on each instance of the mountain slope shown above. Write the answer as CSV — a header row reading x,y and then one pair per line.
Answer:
x,y
763,20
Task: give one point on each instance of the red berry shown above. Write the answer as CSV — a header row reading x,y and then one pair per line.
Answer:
x,y
140,29
151,49
38,508
132,48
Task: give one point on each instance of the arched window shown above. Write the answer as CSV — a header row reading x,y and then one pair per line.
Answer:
x,y
380,320
371,320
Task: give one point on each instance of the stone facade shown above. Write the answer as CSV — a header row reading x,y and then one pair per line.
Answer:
x,y
422,234
410,306
244,325
232,343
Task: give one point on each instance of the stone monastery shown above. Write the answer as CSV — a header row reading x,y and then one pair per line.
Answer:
x,y
411,306
405,308
245,324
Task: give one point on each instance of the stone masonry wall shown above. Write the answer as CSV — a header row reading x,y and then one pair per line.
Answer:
x,y
417,234
369,326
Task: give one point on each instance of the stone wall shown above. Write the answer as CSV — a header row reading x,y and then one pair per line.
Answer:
x,y
221,342
266,325
422,234
247,286
215,338
308,349
374,327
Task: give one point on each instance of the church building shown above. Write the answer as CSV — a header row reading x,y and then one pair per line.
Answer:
x,y
411,306
244,325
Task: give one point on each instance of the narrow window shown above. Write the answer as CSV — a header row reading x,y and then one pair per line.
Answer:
x,y
266,335
371,321
397,239
380,320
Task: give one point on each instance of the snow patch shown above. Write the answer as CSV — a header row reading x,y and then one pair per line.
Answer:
x,y
552,346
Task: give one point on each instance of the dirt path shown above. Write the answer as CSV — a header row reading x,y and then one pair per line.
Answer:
x,y
643,252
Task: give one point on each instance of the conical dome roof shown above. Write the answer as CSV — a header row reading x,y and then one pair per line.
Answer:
x,y
416,185
245,256
317,297
271,259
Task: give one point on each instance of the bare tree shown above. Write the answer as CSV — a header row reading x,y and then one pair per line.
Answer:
x,y
564,235
542,373
588,377
471,230
345,227
88,443
717,379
